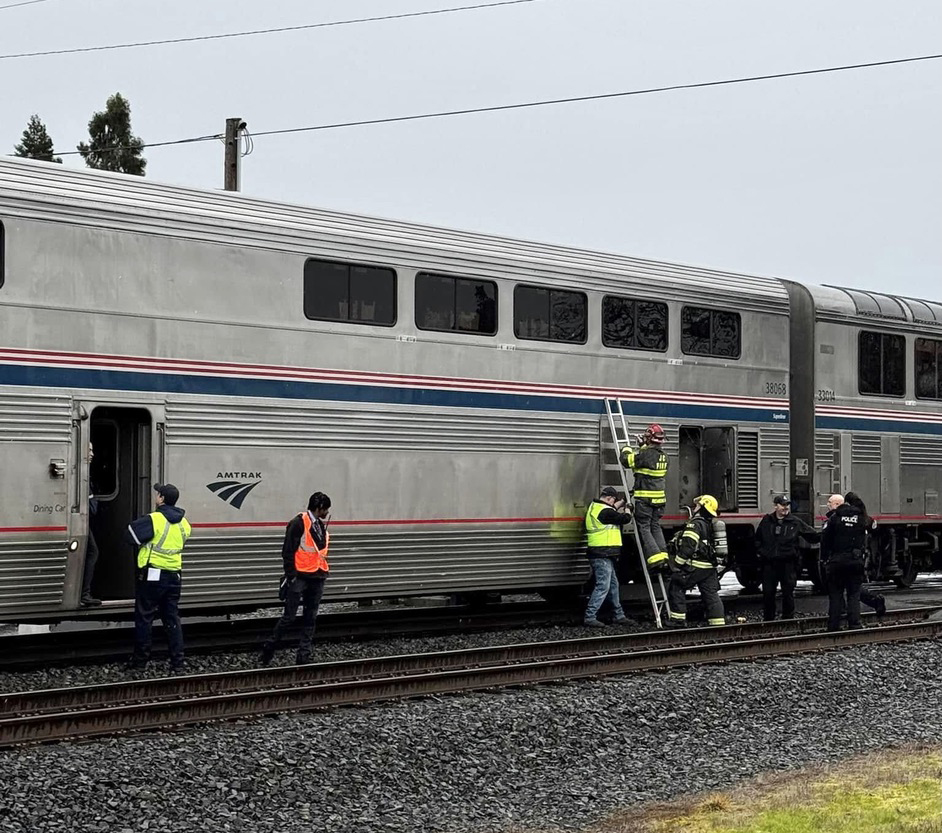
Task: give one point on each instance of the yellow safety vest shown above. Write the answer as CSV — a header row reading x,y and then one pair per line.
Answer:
x,y
597,533
165,549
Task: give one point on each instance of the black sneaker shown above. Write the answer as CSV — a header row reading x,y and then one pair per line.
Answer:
x,y
268,654
135,664
880,606
625,620
302,659
177,670
88,601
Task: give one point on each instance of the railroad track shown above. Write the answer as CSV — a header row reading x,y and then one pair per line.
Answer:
x,y
88,711
91,646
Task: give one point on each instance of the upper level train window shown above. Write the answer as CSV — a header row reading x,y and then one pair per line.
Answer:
x,y
881,364
349,292
710,332
550,314
928,360
455,304
638,325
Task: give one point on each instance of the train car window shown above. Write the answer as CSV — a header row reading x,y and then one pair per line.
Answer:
x,y
881,364
928,362
349,292
631,324
455,304
710,332
550,314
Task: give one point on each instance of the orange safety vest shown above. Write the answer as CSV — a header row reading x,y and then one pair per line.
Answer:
x,y
308,558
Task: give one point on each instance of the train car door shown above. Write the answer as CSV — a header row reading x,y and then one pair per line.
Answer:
x,y
125,466
708,464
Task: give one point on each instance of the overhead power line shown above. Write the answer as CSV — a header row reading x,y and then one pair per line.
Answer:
x,y
548,102
22,3
280,29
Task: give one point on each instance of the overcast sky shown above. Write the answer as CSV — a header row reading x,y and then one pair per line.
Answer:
x,y
831,178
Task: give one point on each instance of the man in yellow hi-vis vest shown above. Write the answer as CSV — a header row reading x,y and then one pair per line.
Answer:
x,y
604,519
160,538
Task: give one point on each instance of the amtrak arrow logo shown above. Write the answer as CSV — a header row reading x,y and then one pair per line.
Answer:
x,y
232,491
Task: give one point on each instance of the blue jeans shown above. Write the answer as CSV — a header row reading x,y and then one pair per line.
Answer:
x,y
161,598
606,586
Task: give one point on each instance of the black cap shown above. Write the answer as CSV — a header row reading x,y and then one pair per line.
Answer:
x,y
781,500
609,491
169,492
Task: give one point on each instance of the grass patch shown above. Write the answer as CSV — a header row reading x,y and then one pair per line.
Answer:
x,y
898,791
893,792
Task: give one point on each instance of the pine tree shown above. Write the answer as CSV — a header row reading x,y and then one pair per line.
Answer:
x,y
36,142
112,146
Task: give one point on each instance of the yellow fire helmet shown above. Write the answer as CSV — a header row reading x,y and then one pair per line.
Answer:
x,y
708,502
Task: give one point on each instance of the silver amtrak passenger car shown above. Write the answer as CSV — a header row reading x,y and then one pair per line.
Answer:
x,y
444,388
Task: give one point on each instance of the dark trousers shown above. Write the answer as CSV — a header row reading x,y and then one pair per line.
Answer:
x,y
91,558
782,572
158,598
707,582
648,521
306,591
845,573
870,599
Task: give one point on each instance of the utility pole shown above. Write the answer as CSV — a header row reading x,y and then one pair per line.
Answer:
x,y
232,180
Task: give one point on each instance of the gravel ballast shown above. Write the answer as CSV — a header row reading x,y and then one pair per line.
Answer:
x,y
552,758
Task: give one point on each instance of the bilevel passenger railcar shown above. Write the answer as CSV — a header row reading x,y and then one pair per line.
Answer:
x,y
445,388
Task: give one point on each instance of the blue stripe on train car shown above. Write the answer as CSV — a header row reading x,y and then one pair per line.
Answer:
x,y
117,380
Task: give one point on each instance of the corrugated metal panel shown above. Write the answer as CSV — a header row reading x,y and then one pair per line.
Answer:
x,y
774,443
747,469
36,190
375,564
865,448
823,449
920,451
32,574
37,419
228,424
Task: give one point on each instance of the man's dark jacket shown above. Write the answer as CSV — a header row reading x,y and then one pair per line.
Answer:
x,y
777,540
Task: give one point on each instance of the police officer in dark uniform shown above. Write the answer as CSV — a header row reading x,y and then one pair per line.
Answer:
x,y
843,546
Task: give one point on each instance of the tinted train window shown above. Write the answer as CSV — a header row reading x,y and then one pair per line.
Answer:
x,y
881,364
928,361
349,292
455,304
638,325
710,332
549,314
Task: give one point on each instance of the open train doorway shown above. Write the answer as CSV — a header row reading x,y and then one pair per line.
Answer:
x,y
708,464
120,479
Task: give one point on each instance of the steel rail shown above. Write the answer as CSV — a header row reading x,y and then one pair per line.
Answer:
x,y
201,685
190,708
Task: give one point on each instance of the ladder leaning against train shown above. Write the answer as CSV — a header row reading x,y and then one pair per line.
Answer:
x,y
654,560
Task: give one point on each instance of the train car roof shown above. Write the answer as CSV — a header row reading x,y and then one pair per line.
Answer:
x,y
845,303
53,192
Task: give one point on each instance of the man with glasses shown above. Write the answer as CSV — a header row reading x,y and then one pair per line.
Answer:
x,y
305,562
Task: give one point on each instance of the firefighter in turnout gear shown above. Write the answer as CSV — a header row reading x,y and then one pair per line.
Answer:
x,y
649,466
696,564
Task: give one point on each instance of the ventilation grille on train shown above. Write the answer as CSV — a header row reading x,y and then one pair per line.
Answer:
x,y
35,419
775,444
747,469
865,448
920,451
400,428
824,449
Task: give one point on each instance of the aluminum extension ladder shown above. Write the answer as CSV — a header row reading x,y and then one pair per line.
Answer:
x,y
621,438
